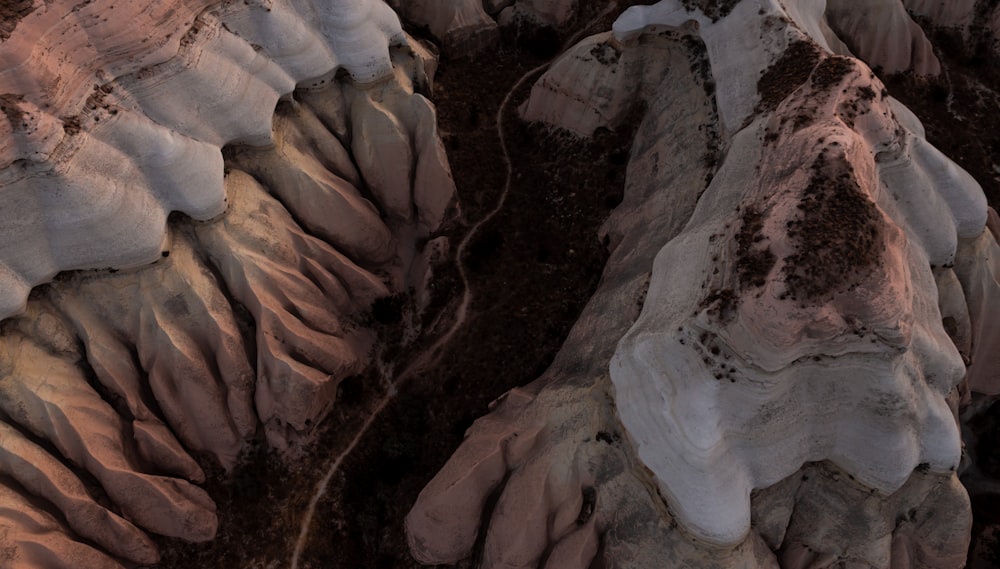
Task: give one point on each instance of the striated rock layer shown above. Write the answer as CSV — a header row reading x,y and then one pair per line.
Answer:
x,y
116,115
769,371
293,148
467,27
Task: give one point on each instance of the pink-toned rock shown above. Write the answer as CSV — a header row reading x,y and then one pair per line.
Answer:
x,y
31,538
462,26
137,373
49,398
882,34
977,265
295,287
786,394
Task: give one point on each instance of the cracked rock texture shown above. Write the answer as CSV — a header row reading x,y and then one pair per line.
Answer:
x,y
796,301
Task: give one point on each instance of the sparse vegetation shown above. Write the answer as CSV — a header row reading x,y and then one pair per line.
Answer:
x,y
831,71
786,74
721,304
536,265
838,235
960,109
714,9
606,53
754,261
9,107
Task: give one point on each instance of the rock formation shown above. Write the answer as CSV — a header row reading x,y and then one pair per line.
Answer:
x,y
469,26
976,22
203,201
90,106
782,329
233,185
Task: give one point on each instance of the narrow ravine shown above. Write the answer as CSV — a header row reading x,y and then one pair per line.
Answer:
x,y
431,356
531,258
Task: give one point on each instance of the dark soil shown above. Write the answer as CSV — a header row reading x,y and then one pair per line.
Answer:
x,y
753,260
533,268
967,130
838,236
12,12
831,71
786,74
986,455
714,9
9,106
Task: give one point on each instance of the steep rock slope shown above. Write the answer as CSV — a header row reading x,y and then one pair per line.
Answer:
x,y
977,21
301,169
788,390
116,115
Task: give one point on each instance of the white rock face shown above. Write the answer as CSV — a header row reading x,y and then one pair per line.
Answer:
x,y
882,34
977,266
786,390
116,116
808,328
598,82
725,389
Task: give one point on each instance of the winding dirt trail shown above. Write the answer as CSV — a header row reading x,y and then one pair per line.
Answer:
x,y
431,356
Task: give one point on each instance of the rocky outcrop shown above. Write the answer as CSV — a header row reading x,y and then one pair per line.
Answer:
x,y
977,267
467,27
118,116
460,25
600,81
543,479
281,165
882,34
977,22
769,371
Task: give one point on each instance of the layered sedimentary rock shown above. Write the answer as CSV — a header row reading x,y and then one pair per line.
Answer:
x,y
768,373
281,165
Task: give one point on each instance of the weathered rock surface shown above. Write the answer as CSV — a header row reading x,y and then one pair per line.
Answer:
x,y
467,27
768,375
784,394
460,24
977,266
116,114
882,34
976,22
306,195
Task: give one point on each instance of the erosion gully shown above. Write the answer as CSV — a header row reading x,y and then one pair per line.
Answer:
x,y
527,258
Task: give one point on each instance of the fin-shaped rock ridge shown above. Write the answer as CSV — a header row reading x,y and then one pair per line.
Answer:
x,y
115,115
296,153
